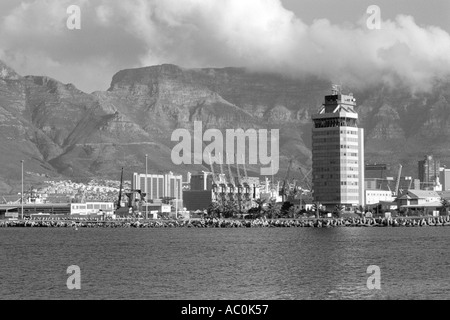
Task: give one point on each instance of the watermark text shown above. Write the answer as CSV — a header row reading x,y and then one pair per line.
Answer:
x,y
74,280
236,147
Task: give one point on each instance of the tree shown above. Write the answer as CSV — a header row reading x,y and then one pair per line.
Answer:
x,y
445,204
338,210
214,210
316,209
292,213
272,211
285,208
230,209
260,203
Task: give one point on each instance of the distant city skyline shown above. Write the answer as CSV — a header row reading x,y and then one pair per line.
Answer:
x,y
291,37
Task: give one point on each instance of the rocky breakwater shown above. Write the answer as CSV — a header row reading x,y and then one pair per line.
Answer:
x,y
231,223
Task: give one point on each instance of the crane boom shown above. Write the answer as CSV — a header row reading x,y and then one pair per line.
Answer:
x,y
120,190
305,178
397,185
245,169
223,180
283,189
240,184
232,182
212,170
295,188
238,174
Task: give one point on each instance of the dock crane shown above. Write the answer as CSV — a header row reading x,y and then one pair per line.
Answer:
x,y
240,185
249,189
213,174
305,178
295,190
216,181
246,184
223,180
397,184
240,182
389,188
120,191
83,196
283,189
232,181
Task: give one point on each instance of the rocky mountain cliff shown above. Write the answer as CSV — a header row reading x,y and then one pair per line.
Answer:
x,y
61,131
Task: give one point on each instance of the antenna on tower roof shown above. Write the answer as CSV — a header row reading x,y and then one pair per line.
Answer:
x,y
335,89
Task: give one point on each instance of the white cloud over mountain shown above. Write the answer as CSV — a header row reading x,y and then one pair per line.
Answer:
x,y
258,34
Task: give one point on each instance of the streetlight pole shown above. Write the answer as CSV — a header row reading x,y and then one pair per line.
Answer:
x,y
176,198
146,188
301,193
22,190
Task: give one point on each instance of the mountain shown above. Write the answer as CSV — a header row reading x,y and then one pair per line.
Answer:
x,y
61,131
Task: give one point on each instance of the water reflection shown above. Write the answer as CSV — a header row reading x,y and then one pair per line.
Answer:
x,y
225,263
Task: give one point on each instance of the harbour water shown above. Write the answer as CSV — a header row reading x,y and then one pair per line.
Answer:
x,y
260,263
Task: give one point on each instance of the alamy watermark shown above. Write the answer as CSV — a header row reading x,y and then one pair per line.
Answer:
x,y
374,20
74,280
258,141
374,281
74,20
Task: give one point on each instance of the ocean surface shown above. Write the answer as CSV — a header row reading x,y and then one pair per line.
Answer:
x,y
267,263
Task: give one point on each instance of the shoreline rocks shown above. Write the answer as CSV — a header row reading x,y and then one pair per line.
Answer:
x,y
230,223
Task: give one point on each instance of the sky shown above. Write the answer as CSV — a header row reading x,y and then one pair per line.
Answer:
x,y
332,39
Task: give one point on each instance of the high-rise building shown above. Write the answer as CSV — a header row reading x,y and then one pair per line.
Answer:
x,y
444,179
338,153
204,190
428,172
159,186
376,171
375,178
201,181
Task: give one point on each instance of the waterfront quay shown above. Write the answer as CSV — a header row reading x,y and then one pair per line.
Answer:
x,y
230,223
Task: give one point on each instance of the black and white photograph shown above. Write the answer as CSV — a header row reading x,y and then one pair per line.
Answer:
x,y
224,155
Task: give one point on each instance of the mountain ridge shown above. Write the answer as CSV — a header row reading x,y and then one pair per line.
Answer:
x,y
64,132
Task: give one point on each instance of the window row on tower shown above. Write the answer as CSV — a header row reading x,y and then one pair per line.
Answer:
x,y
324,162
335,168
335,122
326,153
334,147
333,139
338,177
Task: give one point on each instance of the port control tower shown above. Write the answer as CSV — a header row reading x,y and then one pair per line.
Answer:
x,y
338,153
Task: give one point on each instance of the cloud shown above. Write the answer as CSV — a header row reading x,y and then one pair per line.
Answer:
x,y
258,34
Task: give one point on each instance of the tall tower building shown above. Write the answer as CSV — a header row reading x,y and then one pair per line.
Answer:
x,y
428,172
338,153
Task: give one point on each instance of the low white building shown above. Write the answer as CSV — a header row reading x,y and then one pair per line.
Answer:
x,y
375,196
419,197
426,200
90,208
